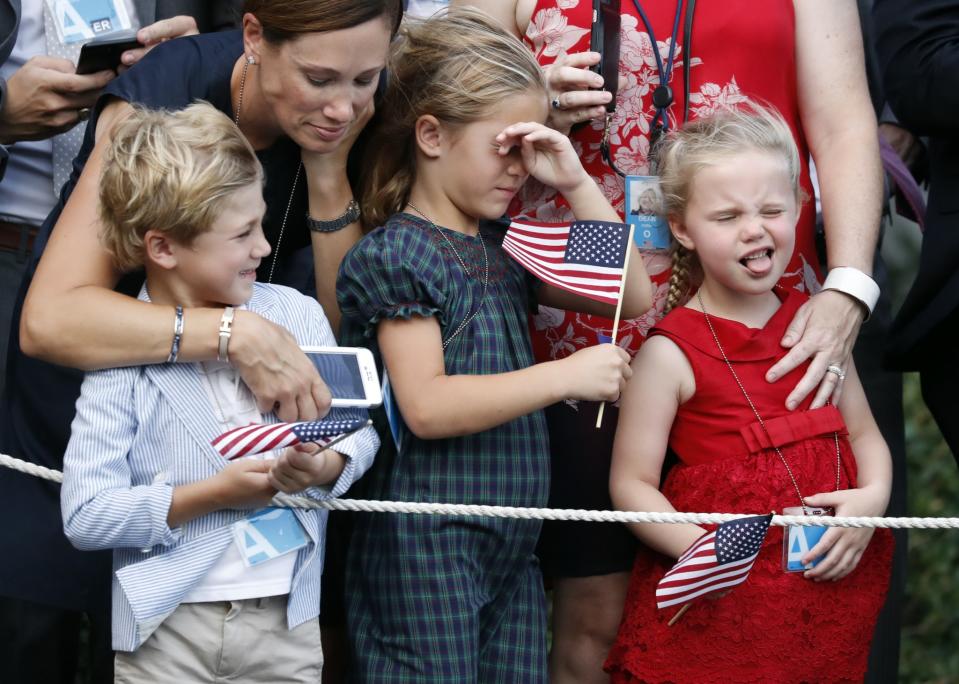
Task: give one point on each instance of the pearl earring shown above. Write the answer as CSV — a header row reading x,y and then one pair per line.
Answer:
x,y
250,59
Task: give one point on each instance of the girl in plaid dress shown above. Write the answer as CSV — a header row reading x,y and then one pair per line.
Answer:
x,y
453,599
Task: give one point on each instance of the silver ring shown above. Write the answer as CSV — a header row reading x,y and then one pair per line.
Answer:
x,y
556,103
839,372
84,113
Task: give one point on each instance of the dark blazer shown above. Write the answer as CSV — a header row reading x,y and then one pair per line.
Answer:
x,y
918,47
38,563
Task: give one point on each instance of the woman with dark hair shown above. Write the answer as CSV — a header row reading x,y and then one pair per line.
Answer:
x,y
299,81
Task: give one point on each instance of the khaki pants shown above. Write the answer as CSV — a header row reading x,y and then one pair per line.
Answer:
x,y
226,641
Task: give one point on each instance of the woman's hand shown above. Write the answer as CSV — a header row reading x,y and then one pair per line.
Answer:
x,y
321,165
548,155
276,370
844,546
824,328
571,101
305,465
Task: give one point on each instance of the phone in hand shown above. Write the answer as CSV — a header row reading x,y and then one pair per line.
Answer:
x,y
350,373
101,54
604,39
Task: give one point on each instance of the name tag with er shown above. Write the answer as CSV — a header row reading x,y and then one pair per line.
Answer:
x,y
79,21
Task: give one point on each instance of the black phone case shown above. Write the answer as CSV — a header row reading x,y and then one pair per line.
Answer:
x,y
604,39
99,55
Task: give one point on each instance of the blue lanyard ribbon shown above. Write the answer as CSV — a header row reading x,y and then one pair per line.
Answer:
x,y
662,94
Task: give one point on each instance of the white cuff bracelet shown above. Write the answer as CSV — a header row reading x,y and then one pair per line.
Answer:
x,y
856,284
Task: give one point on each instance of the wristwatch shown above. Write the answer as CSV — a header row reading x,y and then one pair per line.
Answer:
x,y
351,215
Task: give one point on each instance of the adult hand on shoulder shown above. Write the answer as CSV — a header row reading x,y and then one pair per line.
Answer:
x,y
843,546
276,370
824,329
158,32
45,97
569,80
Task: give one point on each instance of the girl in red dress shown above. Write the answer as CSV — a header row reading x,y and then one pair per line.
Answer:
x,y
732,193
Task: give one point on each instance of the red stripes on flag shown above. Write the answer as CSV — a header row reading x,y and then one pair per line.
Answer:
x,y
541,247
255,439
698,572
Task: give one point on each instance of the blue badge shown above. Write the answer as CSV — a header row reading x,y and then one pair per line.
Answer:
x,y
79,21
644,211
797,541
267,534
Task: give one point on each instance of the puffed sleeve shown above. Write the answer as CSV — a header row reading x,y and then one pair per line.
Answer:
x,y
394,272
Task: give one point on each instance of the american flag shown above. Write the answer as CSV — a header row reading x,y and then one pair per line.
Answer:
x,y
717,560
260,437
586,257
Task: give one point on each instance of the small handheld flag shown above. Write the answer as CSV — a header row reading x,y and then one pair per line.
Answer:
x,y
586,257
260,437
717,560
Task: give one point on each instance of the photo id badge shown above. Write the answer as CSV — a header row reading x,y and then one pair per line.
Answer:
x,y
798,540
644,211
79,21
267,534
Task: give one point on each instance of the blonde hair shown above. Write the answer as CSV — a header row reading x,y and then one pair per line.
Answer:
x,y
173,172
458,66
704,142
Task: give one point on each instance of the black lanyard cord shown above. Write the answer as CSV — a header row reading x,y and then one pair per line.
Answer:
x,y
662,94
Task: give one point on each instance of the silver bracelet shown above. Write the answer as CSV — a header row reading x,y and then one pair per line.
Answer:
x,y
226,330
855,284
177,334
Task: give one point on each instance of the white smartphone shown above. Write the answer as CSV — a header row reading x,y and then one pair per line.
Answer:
x,y
350,373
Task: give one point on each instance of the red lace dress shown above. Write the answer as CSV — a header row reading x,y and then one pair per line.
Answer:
x,y
776,626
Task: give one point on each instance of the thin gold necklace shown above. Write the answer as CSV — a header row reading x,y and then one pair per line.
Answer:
x,y
479,304
296,178
742,388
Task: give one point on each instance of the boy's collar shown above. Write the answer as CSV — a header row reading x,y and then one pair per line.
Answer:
x,y
260,301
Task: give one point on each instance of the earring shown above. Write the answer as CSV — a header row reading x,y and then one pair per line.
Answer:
x,y
250,59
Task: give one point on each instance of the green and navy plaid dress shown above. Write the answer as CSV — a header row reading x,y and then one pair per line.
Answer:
x,y
447,599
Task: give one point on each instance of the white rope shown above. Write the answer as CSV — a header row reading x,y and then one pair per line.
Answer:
x,y
368,506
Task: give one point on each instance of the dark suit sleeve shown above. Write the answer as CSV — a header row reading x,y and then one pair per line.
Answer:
x,y
4,155
918,46
225,15
210,15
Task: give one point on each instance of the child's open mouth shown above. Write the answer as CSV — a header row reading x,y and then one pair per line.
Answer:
x,y
758,262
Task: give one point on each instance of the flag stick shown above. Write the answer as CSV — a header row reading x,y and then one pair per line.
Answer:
x,y
619,308
679,614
